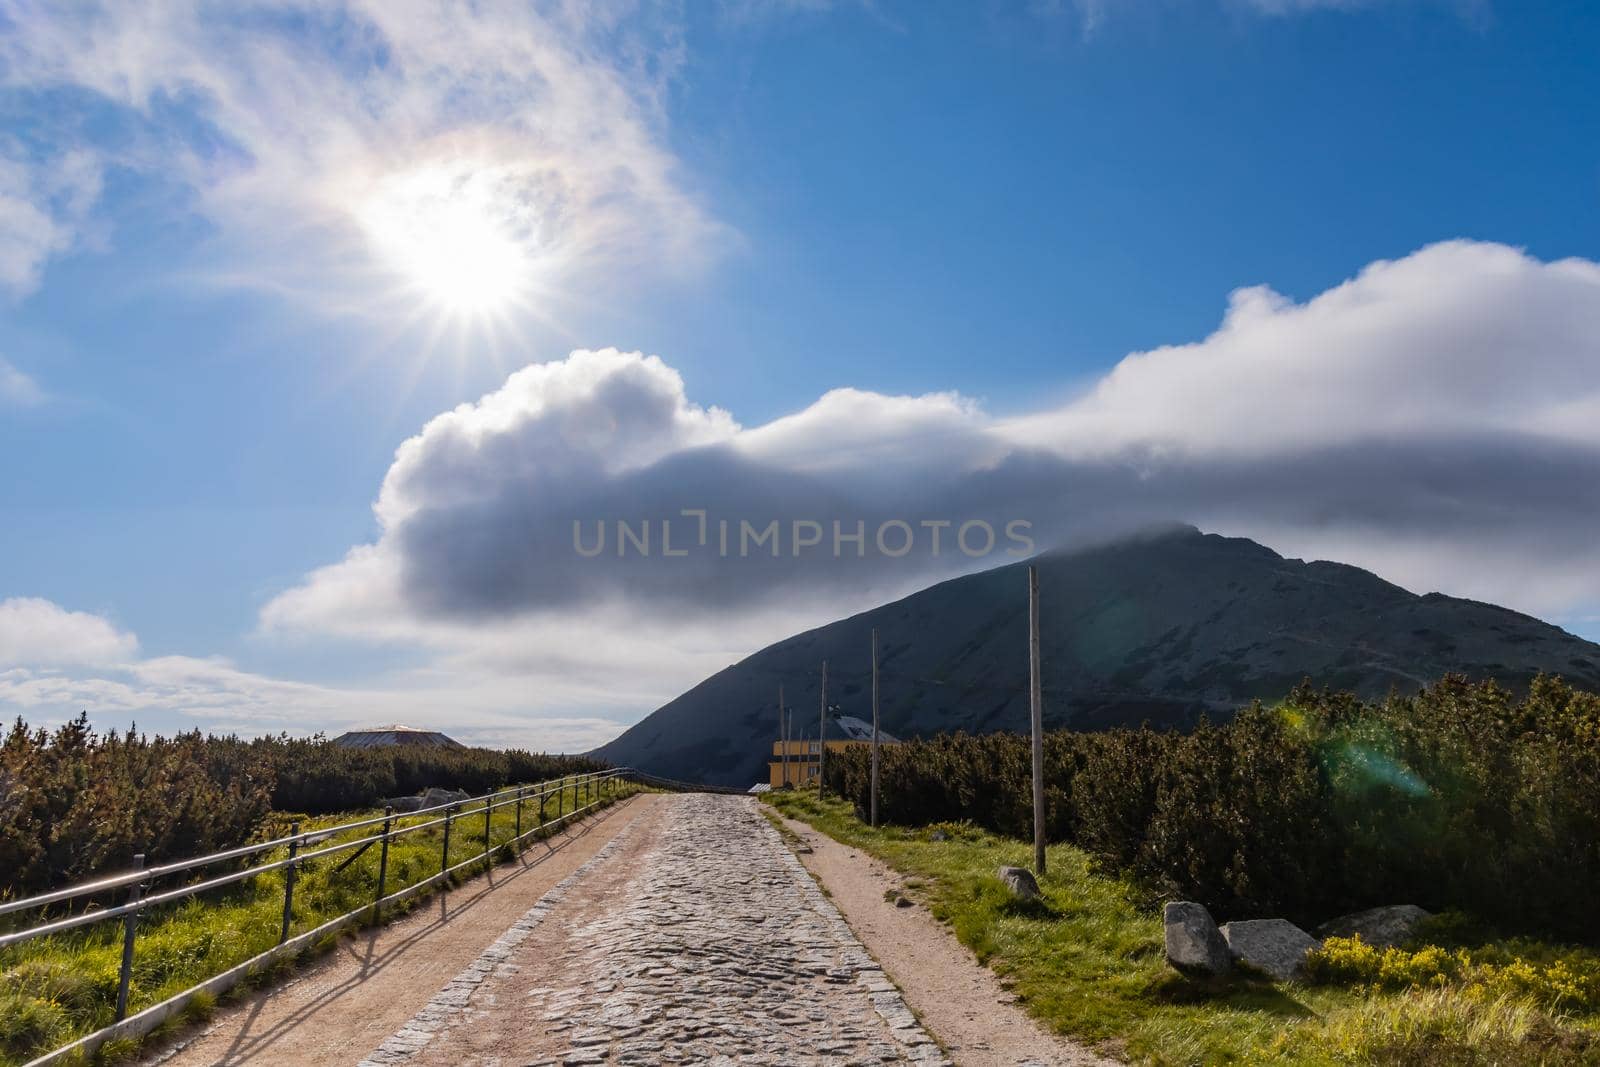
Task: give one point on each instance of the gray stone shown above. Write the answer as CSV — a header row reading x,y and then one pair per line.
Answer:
x,y
938,835
1382,927
1193,942
1276,946
401,804
1020,881
434,796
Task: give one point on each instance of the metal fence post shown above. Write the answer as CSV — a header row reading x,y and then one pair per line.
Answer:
x,y
383,864
130,924
488,809
288,882
561,795
516,832
444,853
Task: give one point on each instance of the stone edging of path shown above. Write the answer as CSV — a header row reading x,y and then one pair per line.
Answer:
x,y
883,994
435,1016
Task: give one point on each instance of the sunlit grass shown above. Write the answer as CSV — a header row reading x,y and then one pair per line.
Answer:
x,y
55,989
1089,963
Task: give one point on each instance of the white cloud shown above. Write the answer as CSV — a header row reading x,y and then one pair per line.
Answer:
x,y
44,200
55,663
1459,339
1435,417
594,414
296,126
34,631
18,388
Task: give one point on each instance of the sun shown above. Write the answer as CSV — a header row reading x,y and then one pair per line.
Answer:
x,y
457,237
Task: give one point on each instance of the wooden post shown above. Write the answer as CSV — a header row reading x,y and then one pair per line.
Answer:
x,y
874,726
1036,713
822,734
783,740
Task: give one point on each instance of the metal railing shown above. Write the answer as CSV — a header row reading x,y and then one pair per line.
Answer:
x,y
586,790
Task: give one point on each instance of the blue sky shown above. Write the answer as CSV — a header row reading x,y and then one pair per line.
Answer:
x,y
210,347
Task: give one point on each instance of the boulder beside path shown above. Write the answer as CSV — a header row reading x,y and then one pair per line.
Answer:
x,y
1275,946
1382,927
1194,944
1020,881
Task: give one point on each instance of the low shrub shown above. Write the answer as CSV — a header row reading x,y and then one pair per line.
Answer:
x,y
75,804
1460,796
1554,979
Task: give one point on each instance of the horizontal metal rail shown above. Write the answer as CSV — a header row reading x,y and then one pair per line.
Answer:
x,y
589,787
148,876
118,881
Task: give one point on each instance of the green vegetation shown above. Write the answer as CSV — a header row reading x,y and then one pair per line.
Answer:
x,y
75,804
54,989
1088,961
1564,980
1461,797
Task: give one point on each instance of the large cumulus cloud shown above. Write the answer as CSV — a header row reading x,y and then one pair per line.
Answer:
x,y
1434,418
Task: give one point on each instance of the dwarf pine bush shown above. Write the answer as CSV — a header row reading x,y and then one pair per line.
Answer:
x,y
74,803
1461,796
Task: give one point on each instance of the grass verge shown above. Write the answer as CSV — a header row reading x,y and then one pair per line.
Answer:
x,y
56,989
1088,962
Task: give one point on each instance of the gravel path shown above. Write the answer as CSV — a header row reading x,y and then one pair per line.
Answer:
x,y
965,1005
695,936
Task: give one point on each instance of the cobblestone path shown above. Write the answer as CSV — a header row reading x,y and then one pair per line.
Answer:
x,y
695,936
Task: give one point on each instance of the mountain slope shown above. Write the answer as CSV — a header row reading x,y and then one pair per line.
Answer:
x,y
1159,627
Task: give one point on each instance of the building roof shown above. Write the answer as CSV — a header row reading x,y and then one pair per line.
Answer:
x,y
851,728
394,734
842,728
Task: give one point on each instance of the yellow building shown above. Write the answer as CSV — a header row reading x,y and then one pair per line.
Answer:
x,y
805,754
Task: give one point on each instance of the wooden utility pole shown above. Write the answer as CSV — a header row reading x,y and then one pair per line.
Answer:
x,y
874,726
783,738
1036,712
822,734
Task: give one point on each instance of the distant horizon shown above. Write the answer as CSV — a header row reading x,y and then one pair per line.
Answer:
x,y
1149,531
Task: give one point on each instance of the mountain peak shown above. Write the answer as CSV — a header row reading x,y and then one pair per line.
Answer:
x,y
1158,626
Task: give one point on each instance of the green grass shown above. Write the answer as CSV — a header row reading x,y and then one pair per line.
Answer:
x,y
55,989
1087,961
